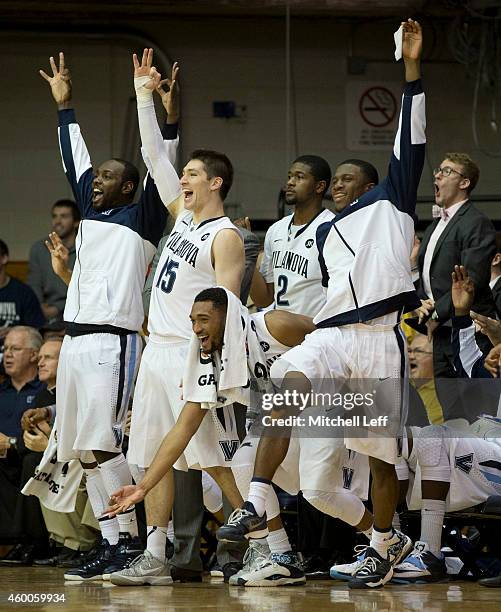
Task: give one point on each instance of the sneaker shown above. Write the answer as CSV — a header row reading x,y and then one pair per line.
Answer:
x,y
400,548
216,571
345,571
243,523
144,569
420,567
82,558
281,569
374,571
93,570
128,548
257,554
230,569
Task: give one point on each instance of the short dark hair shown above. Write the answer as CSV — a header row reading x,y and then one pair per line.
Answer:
x,y
368,170
470,168
216,164
319,168
216,295
68,204
4,249
130,173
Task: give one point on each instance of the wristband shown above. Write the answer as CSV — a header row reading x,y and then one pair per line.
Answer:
x,y
143,94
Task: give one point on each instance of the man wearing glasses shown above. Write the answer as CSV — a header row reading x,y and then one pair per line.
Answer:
x,y
460,234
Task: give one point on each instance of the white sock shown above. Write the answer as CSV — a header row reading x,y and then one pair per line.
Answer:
x,y
380,541
170,530
278,541
432,522
258,492
98,497
396,522
368,533
116,474
156,540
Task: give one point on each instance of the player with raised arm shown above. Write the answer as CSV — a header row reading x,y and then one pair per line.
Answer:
x,y
365,256
204,249
115,243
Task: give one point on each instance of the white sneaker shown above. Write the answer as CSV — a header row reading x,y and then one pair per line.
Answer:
x,y
344,571
145,569
400,547
257,553
279,570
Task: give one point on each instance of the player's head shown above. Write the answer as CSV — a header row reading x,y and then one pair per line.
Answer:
x,y
421,359
21,348
208,174
308,179
352,178
65,218
115,184
48,358
455,178
4,254
208,318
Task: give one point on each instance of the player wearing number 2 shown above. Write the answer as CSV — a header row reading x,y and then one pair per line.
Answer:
x,y
204,250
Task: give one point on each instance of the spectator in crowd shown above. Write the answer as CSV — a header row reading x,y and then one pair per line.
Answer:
x,y
67,531
17,394
49,289
421,367
18,304
495,282
460,235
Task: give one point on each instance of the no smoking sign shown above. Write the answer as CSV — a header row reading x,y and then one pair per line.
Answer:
x,y
378,106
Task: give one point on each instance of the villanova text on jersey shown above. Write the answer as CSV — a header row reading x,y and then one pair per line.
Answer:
x,y
293,262
183,248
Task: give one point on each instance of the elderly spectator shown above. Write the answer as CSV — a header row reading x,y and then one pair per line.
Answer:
x,y
18,304
49,289
17,394
460,235
421,367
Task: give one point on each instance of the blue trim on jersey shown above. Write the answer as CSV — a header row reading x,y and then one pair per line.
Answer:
x,y
131,367
491,477
320,238
373,311
147,217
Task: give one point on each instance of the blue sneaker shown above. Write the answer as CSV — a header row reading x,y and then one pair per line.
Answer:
x,y
421,566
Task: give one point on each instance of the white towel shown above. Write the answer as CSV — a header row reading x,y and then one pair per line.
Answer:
x,y
225,378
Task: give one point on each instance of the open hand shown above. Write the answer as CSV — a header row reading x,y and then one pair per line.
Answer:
x,y
60,81
412,40
490,327
463,291
146,69
170,96
59,255
124,498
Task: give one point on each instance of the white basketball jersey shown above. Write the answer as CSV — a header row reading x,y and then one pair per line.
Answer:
x,y
185,268
290,262
271,348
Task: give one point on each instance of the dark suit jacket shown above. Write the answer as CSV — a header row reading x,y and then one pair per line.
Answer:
x,y
469,239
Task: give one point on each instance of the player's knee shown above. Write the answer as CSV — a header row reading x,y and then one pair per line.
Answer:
x,y
432,455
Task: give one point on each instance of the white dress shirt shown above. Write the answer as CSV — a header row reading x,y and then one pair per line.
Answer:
x,y
446,216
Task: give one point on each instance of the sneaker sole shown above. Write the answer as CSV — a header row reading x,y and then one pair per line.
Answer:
x,y
267,582
252,535
340,576
72,578
361,584
143,581
420,580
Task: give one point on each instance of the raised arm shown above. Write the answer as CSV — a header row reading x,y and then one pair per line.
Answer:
x,y
159,153
76,160
407,160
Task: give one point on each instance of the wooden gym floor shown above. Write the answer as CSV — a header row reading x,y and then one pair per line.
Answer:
x,y
213,594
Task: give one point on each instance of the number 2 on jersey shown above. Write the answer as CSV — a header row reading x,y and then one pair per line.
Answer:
x,y
283,283
167,276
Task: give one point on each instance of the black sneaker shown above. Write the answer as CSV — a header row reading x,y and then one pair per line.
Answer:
x,y
374,571
82,558
128,548
243,523
93,570
230,569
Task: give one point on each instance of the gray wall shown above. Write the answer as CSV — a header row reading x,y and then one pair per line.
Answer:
x,y
221,59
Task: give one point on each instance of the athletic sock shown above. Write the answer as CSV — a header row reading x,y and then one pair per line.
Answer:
x,y
380,540
98,498
258,492
278,541
170,531
116,474
396,522
432,522
156,540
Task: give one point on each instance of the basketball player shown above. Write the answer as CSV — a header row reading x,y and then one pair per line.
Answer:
x,y
100,354
447,470
204,249
365,255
